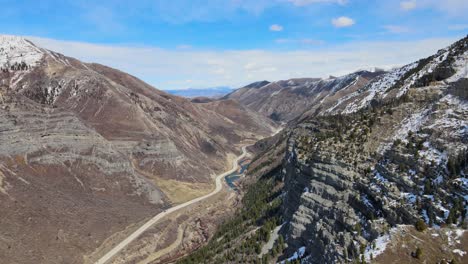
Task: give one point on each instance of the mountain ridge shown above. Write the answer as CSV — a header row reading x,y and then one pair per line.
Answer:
x,y
286,100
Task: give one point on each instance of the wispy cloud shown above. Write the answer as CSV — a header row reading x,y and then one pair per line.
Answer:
x,y
276,27
103,18
308,2
458,27
184,46
305,41
458,8
182,11
395,29
408,5
343,22
169,69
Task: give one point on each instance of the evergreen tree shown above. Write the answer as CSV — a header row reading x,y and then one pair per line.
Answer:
x,y
418,253
420,225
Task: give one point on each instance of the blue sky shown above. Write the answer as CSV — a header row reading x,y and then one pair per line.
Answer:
x,y
192,43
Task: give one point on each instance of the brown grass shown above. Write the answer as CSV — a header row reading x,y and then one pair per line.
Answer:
x,y
180,192
434,244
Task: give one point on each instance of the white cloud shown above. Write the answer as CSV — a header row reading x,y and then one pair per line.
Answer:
x,y
311,41
458,8
305,41
451,7
184,46
308,2
276,27
343,22
184,11
408,5
396,29
169,69
458,27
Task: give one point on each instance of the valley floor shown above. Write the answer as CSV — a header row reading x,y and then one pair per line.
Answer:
x,y
169,230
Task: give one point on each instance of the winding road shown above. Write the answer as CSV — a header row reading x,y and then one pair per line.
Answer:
x,y
219,186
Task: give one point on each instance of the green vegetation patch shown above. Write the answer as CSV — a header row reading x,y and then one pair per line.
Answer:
x,y
242,237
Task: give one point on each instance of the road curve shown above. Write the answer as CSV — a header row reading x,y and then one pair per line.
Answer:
x,y
156,218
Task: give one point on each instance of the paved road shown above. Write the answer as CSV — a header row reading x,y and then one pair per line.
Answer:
x,y
156,218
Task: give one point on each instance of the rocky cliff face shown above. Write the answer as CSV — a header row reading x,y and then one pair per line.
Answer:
x,y
392,152
88,150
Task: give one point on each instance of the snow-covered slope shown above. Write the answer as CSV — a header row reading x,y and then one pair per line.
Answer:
x,y
446,66
18,52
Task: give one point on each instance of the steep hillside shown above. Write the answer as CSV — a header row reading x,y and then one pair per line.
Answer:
x,y
88,151
245,119
349,181
286,100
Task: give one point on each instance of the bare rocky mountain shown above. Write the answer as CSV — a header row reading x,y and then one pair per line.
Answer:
x,y
285,100
87,151
353,181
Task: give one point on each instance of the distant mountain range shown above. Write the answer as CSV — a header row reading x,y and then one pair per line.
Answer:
x,y
202,92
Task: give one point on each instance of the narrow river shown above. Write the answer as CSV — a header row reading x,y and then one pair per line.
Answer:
x,y
233,178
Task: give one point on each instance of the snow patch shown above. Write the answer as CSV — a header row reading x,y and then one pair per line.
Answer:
x,y
443,209
461,67
459,252
276,93
454,236
379,177
366,201
410,198
380,246
412,123
431,154
298,254
425,216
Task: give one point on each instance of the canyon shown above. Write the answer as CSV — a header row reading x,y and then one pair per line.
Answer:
x,y
96,166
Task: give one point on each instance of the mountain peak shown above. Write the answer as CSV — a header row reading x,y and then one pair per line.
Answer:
x,y
257,84
16,50
370,69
